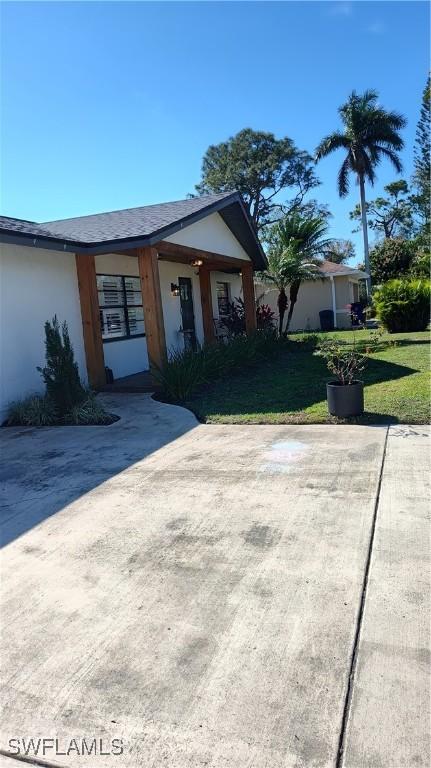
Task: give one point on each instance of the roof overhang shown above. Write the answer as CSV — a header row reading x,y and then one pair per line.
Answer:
x,y
230,208
358,274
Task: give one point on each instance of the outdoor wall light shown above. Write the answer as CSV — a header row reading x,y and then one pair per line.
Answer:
x,y
175,290
196,263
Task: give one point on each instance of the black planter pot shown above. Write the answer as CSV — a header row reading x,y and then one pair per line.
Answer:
x,y
345,399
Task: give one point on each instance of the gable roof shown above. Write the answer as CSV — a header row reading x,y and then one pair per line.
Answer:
x,y
136,227
329,268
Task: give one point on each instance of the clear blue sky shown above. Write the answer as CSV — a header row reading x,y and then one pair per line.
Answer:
x,y
109,105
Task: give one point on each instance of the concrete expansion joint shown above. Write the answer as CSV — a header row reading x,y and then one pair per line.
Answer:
x,y
359,618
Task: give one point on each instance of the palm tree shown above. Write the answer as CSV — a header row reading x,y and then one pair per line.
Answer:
x,y
370,135
294,245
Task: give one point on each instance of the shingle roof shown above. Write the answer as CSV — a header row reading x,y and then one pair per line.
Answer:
x,y
23,226
130,222
137,226
329,268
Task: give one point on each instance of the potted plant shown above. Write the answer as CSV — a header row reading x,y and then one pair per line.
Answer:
x,y
345,394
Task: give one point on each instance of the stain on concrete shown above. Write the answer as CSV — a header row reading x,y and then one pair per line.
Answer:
x,y
176,524
282,455
262,536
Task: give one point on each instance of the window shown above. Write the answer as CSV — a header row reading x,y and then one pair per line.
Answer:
x,y
120,303
223,299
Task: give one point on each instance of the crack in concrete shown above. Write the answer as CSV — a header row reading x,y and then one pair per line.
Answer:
x,y
27,760
355,648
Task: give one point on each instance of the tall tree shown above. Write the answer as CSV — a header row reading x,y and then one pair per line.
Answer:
x,y
340,251
294,247
390,216
422,159
261,168
370,134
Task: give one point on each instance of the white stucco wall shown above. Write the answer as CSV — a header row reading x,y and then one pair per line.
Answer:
x,y
169,273
312,298
210,234
126,356
35,285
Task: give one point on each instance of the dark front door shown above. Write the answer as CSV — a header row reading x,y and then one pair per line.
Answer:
x,y
187,313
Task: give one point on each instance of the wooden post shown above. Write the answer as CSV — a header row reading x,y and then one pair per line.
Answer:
x,y
206,303
86,271
249,298
152,303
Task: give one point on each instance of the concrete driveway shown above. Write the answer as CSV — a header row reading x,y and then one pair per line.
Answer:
x,y
232,597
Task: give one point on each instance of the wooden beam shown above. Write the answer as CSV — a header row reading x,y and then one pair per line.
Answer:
x,y
249,298
152,303
206,303
93,344
184,254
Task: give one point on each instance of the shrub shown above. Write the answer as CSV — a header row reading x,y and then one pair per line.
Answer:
x,y
265,317
234,320
34,411
60,374
186,371
345,361
391,258
90,411
404,305
66,401
308,339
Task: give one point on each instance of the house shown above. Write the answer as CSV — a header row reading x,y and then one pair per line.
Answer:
x,y
131,284
336,290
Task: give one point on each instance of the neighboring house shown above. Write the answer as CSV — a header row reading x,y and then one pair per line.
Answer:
x,y
131,284
336,290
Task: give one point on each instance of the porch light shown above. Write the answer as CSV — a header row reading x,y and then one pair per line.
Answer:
x,y
196,263
175,290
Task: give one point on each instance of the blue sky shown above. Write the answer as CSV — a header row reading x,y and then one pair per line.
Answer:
x,y
109,105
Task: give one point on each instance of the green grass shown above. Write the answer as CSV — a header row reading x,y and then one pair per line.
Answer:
x,y
291,389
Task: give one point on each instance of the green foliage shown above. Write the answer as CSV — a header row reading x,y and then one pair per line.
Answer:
x,y
90,411
340,251
404,305
186,371
66,401
370,134
259,166
33,411
390,216
422,160
391,258
345,361
60,374
294,246
234,320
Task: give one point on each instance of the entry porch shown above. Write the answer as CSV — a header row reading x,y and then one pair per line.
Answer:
x,y
139,304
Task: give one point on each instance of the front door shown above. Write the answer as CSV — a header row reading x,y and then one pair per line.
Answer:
x,y
187,313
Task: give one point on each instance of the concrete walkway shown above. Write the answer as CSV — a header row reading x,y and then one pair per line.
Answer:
x,y
206,593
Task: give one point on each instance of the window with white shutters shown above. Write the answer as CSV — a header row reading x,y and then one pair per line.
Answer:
x,y
120,304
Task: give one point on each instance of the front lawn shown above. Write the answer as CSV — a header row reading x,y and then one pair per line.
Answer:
x,y
291,389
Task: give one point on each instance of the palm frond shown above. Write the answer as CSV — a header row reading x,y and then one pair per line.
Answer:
x,y
343,177
331,143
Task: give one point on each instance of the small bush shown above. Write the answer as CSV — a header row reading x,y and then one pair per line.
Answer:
x,y
343,360
234,320
34,411
309,340
404,305
186,371
60,374
91,411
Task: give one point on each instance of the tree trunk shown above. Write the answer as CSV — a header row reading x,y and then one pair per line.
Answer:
x,y
282,306
365,232
294,290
